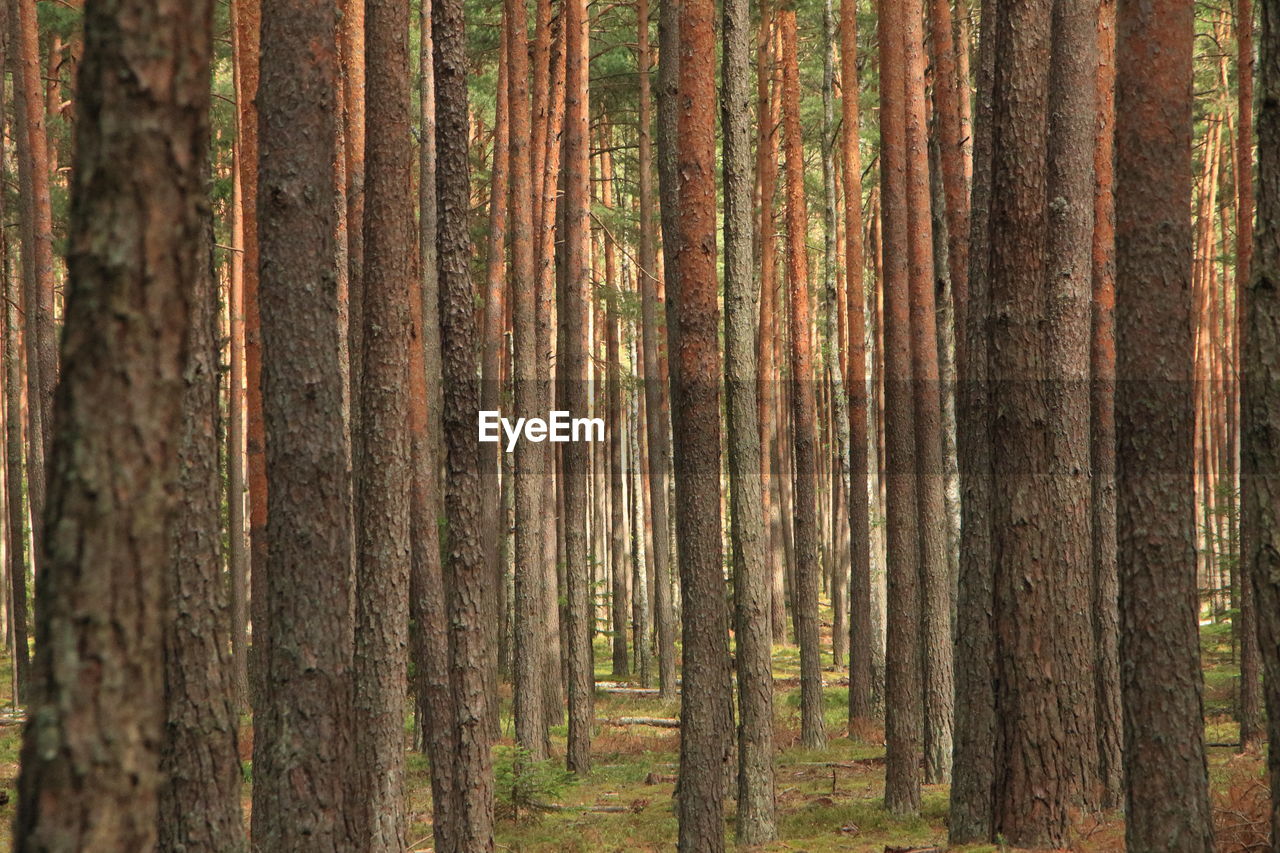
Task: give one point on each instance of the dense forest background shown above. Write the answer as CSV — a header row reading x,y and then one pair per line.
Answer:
x,y
936,347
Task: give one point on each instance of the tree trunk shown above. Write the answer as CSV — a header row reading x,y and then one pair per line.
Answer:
x,y
767,393
935,595
1250,711
1260,407
383,443
237,534
428,607
199,758
28,83
353,47
547,177
1166,797
465,571
575,320
973,773
860,636
530,479
803,407
33,269
493,349
1043,124
90,771
904,704
16,526
706,746
656,408
302,746
1106,602
247,44
620,603
754,658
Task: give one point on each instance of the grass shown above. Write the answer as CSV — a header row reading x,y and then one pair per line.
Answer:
x,y
820,807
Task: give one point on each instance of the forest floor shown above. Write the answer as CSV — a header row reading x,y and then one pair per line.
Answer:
x,y
828,800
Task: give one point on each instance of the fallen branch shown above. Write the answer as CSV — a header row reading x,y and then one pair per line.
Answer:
x,y
558,807
660,722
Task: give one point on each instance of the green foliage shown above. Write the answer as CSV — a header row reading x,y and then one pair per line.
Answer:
x,y
520,782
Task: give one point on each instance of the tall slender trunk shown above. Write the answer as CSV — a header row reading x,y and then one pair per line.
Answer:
x,y
834,334
1102,359
530,479
1166,797
465,571
383,444
935,595
706,713
16,521
354,101
904,704
199,757
90,771
767,393
1250,685
575,321
547,178
754,659
428,606
237,532
492,351
28,84
247,43
803,405
657,411
33,271
620,603
860,635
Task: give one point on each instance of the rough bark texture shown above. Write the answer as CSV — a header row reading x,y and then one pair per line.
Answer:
x,y
465,573
200,761
706,739
1250,705
383,448
952,136
32,270
427,603
619,594
1102,419
43,370
302,744
1166,796
139,235
1260,403
1041,235
574,323
935,595
16,521
753,653
973,772
530,479
657,413
860,636
493,350
904,708
803,406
